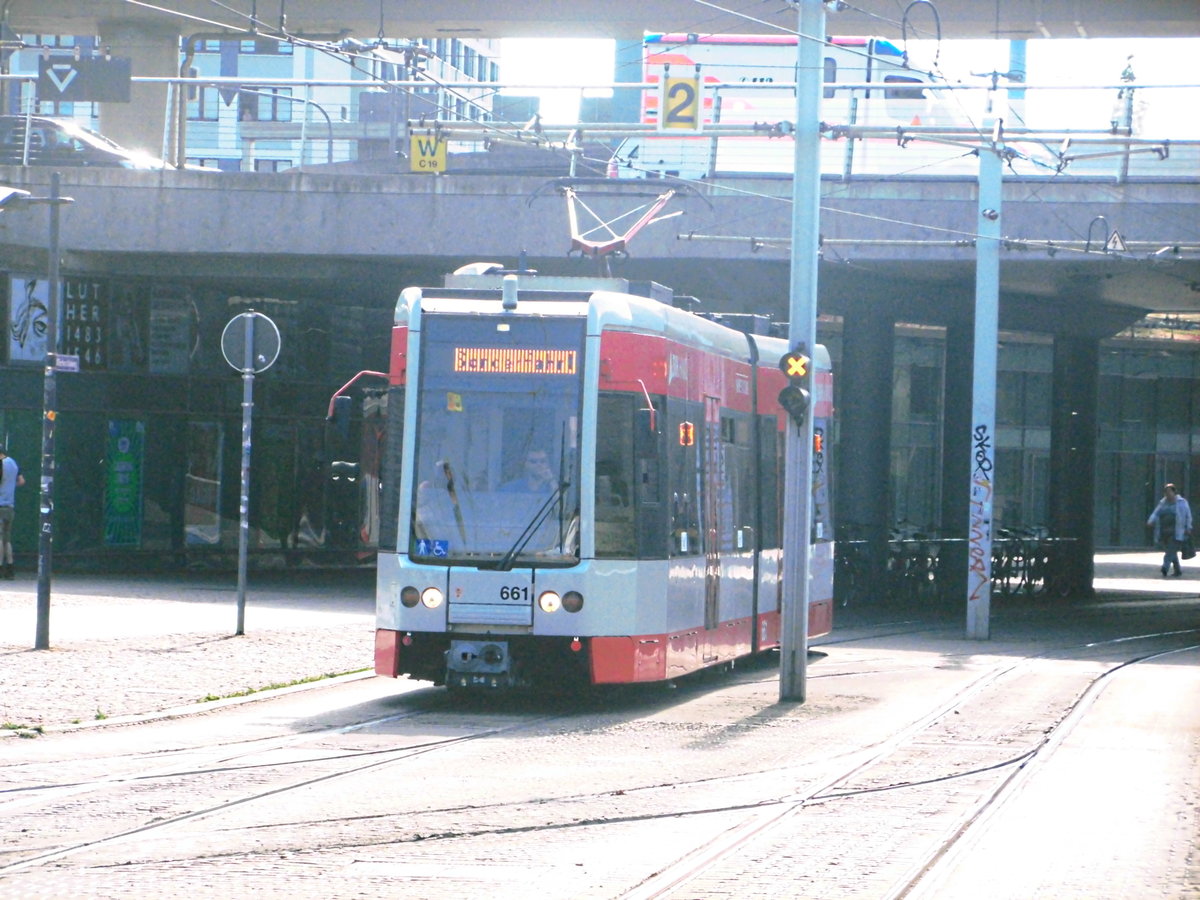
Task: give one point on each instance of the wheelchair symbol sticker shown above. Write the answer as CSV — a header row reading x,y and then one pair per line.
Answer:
x,y
439,549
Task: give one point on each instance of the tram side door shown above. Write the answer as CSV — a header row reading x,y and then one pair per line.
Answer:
x,y
713,480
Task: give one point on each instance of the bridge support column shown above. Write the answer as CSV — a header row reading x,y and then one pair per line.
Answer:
x,y
152,50
865,445
1072,491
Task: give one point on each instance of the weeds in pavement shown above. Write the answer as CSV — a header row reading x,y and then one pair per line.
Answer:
x,y
274,686
24,731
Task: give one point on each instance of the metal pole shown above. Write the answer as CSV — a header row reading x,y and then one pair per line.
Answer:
x,y
806,202
49,414
303,131
244,497
1127,122
983,390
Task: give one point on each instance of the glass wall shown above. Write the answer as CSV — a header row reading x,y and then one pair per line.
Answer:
x,y
1149,423
1148,430
148,434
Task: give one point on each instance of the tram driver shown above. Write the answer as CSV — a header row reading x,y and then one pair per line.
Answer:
x,y
536,476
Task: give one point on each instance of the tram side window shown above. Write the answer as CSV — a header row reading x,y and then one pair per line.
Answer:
x,y
389,476
822,480
741,483
770,463
684,432
630,513
615,533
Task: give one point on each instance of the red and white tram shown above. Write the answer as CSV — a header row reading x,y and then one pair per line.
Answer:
x,y
583,483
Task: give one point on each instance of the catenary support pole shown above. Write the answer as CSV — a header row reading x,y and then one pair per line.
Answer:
x,y
49,414
244,495
802,317
983,391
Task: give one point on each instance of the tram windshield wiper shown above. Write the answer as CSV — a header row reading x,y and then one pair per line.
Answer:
x,y
505,563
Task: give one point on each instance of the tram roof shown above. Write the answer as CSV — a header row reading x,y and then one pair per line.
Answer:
x,y
617,303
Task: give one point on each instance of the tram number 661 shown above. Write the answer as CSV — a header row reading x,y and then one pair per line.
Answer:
x,y
509,594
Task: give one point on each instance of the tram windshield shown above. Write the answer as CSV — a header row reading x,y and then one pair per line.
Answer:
x,y
497,440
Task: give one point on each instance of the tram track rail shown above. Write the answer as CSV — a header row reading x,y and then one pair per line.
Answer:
x,y
52,795
721,818
685,871
1023,772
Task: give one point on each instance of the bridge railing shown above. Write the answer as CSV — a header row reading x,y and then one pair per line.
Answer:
x,y
272,124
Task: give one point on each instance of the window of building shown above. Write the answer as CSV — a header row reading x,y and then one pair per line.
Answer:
x,y
209,162
266,47
830,77
1009,397
1137,400
925,393
61,41
1172,408
265,105
204,104
66,109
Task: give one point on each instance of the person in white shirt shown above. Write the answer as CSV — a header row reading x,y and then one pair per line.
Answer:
x,y
10,479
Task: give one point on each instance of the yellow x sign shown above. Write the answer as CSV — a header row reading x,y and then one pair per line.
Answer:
x,y
796,365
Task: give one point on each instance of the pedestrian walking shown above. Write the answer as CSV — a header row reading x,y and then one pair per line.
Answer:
x,y
10,479
1172,522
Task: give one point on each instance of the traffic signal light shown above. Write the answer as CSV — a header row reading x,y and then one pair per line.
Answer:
x,y
795,398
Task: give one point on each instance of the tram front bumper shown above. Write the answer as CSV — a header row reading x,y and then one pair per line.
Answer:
x,y
479,664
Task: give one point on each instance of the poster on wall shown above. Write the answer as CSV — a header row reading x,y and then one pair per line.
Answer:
x,y
123,483
170,335
84,318
28,319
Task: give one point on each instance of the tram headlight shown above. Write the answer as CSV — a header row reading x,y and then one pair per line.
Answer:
x,y
549,601
431,597
410,596
572,601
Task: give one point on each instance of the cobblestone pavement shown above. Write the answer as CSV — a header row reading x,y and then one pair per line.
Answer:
x,y
128,646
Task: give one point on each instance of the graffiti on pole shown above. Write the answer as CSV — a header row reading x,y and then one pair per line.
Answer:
x,y
980,534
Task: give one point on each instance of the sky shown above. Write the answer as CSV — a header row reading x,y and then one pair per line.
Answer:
x,y
548,61
1174,114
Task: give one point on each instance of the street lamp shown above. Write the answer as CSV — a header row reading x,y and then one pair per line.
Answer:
x,y
15,198
328,121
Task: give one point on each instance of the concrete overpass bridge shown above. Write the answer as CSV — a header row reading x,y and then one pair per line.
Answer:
x,y
895,251
905,244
